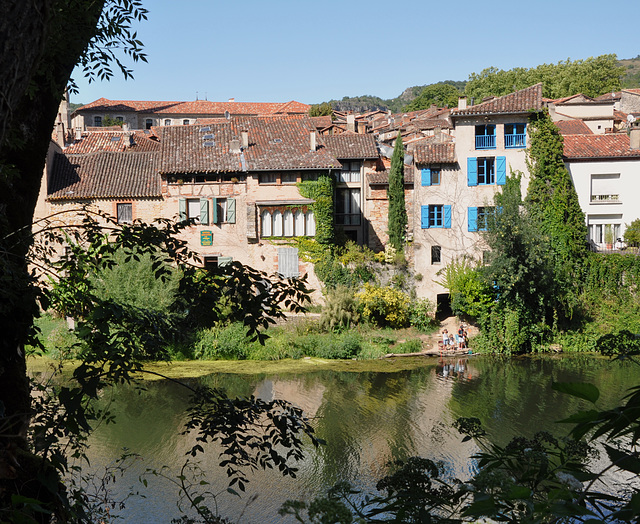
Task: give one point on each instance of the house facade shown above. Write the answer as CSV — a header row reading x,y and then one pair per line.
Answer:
x,y
605,172
455,182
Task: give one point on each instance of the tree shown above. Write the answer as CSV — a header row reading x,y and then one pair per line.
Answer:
x,y
632,233
441,94
323,109
592,77
397,210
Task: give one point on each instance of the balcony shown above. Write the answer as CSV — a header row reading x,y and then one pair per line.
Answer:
x,y
515,140
485,141
605,199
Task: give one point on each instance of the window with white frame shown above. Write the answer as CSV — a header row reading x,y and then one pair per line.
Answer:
x,y
185,122
604,229
167,121
287,223
605,188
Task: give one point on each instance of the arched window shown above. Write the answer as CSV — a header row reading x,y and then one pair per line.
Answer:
x,y
167,121
299,223
266,224
185,122
311,224
288,223
277,224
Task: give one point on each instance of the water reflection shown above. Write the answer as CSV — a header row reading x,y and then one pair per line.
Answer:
x,y
368,419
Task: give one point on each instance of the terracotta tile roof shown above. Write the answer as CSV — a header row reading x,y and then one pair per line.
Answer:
x,y
614,145
523,101
435,153
573,127
197,107
100,175
381,178
114,141
351,145
579,98
619,115
274,144
615,95
321,122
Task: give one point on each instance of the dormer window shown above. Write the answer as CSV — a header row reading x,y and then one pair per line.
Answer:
x,y
167,121
97,121
185,122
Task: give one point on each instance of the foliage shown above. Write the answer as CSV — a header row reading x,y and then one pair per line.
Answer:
x,y
321,191
323,109
344,266
397,222
340,311
469,291
223,342
632,233
108,121
593,77
441,94
384,306
422,314
551,198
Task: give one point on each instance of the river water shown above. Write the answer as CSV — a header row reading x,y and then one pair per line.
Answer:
x,y
367,419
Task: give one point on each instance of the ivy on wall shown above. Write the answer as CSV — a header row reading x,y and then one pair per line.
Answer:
x,y
321,191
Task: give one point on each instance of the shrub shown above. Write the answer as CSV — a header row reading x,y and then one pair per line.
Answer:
x,y
223,342
410,346
422,314
340,311
384,306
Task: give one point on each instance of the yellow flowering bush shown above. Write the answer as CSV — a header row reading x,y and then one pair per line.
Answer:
x,y
384,306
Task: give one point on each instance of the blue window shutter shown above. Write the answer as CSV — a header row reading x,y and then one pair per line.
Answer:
x,y
182,209
214,210
231,210
426,177
501,170
473,218
472,171
204,212
447,217
424,217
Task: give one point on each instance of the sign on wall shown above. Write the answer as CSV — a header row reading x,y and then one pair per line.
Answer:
x,y
206,238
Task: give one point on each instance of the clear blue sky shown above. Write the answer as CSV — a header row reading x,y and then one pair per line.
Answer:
x,y
281,50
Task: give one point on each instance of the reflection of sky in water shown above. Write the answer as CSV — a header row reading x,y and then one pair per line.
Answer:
x,y
368,419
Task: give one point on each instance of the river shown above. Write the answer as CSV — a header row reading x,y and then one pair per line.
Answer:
x,y
367,419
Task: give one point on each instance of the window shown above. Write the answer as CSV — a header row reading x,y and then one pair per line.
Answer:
x,y
120,119
289,178
290,223
480,217
195,209
267,178
604,229
486,136
350,171
436,255
124,213
185,122
430,177
224,210
310,175
435,216
487,171
515,135
605,189
167,121
97,121
148,123
348,207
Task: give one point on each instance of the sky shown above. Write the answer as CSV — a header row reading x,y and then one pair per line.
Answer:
x,y
312,51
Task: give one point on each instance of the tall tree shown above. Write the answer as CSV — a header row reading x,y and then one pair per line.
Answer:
x,y
441,94
397,220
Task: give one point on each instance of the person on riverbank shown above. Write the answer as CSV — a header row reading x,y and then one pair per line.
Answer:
x,y
445,339
461,337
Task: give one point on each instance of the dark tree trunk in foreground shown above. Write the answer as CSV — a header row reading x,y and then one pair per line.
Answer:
x,y
40,43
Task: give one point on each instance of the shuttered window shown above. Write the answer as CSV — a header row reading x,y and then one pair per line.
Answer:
x,y
288,262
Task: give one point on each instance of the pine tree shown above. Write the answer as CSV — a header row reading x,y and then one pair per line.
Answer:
x,y
397,209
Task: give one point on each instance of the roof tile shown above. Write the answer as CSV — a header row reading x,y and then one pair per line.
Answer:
x,y
523,101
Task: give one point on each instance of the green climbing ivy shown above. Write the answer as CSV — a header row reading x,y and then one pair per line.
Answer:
x,y
321,191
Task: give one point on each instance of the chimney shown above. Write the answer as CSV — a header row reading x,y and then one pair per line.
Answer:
x,y
125,127
312,140
351,123
232,100
245,138
634,137
462,102
129,137
60,134
234,146
78,133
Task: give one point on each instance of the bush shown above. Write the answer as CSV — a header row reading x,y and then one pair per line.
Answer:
x,y
340,311
384,306
422,314
223,342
